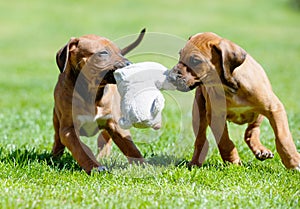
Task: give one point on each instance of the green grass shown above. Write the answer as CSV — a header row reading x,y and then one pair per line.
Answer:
x,y
31,33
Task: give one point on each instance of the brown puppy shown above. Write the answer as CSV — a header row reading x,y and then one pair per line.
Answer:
x,y
231,86
84,103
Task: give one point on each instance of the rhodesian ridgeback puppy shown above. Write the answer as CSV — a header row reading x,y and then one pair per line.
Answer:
x,y
86,100
231,86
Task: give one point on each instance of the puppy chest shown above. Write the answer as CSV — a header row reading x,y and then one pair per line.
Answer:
x,y
241,115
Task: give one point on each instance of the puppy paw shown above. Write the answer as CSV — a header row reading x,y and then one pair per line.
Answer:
x,y
263,154
297,168
58,150
194,164
101,169
190,165
97,170
237,162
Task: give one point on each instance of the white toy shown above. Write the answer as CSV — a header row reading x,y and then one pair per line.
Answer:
x,y
141,100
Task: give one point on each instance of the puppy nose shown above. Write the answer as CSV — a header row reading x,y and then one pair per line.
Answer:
x,y
119,65
127,62
122,64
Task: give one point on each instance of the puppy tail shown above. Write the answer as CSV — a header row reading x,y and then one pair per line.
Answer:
x,y
134,44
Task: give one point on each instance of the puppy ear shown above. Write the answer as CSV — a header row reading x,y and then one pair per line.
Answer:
x,y
231,56
62,56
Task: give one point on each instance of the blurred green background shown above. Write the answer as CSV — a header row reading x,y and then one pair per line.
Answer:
x,y
32,31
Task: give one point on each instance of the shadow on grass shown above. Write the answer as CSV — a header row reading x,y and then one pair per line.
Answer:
x,y
165,160
215,164
160,160
23,157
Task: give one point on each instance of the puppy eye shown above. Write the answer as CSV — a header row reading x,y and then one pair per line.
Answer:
x,y
195,61
103,53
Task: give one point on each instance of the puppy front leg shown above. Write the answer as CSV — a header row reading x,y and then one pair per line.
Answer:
x,y
216,115
122,139
226,147
200,124
285,145
58,148
81,153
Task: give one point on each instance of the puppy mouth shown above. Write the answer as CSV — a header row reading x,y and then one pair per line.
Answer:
x,y
182,83
109,78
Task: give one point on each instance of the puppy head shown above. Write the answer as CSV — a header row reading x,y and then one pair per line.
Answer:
x,y
206,58
97,55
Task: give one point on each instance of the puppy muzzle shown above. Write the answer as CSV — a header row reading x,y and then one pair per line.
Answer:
x,y
109,77
122,64
178,80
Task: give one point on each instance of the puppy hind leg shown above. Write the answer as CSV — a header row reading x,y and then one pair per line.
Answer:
x,y
251,137
285,145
